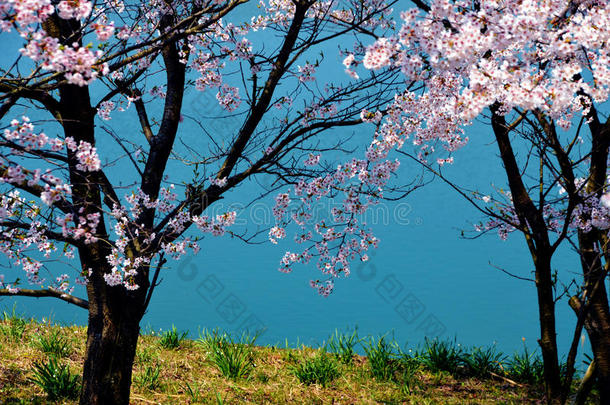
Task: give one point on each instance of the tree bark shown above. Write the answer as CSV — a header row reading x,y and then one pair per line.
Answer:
x,y
534,228
600,343
112,336
114,312
597,324
548,338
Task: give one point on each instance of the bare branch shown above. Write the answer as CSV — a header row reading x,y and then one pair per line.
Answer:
x,y
49,292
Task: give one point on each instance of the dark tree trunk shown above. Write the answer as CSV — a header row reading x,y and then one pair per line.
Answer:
x,y
598,330
597,320
534,228
113,321
548,338
112,337
114,312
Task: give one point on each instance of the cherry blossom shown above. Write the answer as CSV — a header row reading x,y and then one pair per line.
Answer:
x,y
68,9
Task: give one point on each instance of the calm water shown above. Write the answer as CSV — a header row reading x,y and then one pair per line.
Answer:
x,y
424,280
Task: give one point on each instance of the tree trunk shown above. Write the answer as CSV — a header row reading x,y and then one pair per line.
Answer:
x,y
548,338
112,337
597,320
534,228
597,325
114,312
585,385
598,329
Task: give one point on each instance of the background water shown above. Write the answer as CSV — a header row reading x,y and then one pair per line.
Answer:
x,y
423,280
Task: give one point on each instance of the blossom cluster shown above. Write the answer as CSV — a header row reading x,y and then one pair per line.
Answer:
x,y
79,64
592,212
125,267
545,55
22,245
514,53
343,237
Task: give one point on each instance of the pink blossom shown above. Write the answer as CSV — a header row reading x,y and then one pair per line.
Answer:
x,y
312,160
78,9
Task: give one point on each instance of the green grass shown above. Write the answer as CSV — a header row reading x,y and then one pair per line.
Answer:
x,y
481,362
408,376
54,344
149,377
13,325
192,391
526,367
220,368
342,345
172,339
443,355
383,357
233,357
321,369
56,380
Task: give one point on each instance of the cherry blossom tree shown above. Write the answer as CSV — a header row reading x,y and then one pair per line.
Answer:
x,y
537,73
82,191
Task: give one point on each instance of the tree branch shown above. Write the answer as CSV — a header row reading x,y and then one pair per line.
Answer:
x,y
49,292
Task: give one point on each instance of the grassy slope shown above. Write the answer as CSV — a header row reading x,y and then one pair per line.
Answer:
x,y
271,381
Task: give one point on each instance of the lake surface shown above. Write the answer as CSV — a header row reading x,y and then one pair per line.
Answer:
x,y
423,280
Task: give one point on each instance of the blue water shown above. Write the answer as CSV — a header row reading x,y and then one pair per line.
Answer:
x,y
423,280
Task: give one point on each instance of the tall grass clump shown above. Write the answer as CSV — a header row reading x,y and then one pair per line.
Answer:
x,y
442,355
192,391
383,357
481,362
321,369
149,377
54,344
172,339
527,367
146,355
15,325
342,345
234,358
56,380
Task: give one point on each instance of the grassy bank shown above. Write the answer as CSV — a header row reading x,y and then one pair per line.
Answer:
x,y
40,363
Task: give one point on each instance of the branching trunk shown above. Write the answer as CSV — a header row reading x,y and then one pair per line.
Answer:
x,y
597,324
535,230
112,336
548,338
114,312
586,384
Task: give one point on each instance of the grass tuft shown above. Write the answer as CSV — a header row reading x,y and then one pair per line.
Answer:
x,y
383,358
54,344
527,367
193,392
14,325
56,380
233,357
409,369
481,362
321,369
149,377
342,345
442,355
172,339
